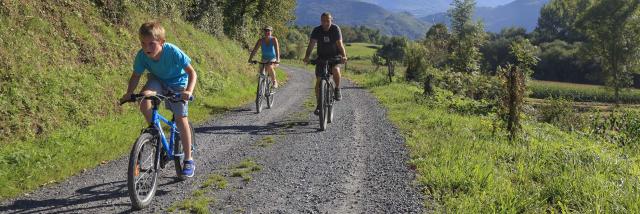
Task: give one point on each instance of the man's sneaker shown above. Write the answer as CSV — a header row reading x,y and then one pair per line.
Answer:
x,y
189,168
338,95
317,111
275,85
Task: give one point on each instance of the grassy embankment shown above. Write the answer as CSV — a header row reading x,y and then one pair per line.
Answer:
x,y
464,167
65,64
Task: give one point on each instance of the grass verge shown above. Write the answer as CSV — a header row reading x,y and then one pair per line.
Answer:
x,y
59,112
464,167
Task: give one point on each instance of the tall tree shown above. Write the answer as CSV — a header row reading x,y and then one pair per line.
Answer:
x,y
245,18
613,30
468,37
437,42
557,20
393,50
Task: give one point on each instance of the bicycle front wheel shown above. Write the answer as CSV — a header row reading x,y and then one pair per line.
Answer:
x,y
260,94
323,105
142,176
329,101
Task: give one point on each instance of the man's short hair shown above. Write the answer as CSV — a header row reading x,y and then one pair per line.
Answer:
x,y
327,14
152,28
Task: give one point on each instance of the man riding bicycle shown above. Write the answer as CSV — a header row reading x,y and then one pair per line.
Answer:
x,y
328,39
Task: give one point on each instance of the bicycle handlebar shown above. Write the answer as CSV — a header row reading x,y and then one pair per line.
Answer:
x,y
171,96
334,60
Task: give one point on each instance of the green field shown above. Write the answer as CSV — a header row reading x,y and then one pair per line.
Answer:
x,y
581,92
464,167
361,50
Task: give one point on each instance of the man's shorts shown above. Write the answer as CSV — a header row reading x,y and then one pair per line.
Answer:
x,y
178,108
320,68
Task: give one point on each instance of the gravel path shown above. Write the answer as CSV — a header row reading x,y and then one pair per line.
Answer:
x,y
358,165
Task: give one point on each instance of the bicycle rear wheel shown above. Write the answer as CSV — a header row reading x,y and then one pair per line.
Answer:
x,y
178,153
260,94
323,105
142,175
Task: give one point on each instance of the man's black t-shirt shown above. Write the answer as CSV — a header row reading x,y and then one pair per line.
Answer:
x,y
326,45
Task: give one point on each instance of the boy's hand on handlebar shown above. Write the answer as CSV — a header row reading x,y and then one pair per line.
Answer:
x,y
149,93
186,95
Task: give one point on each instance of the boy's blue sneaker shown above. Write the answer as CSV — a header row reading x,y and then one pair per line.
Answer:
x,y
189,168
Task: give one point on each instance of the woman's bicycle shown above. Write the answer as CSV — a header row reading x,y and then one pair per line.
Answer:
x,y
265,90
327,90
152,151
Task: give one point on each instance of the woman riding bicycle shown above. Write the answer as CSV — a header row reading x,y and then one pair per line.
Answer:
x,y
270,53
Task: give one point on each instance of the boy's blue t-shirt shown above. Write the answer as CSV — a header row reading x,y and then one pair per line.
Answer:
x,y
169,69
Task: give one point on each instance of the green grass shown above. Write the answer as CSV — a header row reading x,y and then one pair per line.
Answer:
x,y
198,204
361,50
581,92
245,168
215,180
464,168
64,70
266,141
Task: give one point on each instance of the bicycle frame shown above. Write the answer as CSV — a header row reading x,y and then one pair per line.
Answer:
x,y
157,118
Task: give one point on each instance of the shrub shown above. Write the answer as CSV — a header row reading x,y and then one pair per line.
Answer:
x,y
621,127
561,113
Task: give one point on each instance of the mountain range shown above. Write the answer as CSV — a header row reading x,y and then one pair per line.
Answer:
x,y
520,13
400,17
351,12
422,8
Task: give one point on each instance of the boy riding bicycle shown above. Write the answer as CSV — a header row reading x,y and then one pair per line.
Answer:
x,y
169,70
270,53
328,38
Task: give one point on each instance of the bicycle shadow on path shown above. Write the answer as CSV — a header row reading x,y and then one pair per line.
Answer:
x,y
84,201
285,127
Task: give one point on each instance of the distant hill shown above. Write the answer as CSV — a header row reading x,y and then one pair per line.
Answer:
x,y
351,12
520,13
421,8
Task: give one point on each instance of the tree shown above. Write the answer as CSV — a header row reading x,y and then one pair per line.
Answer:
x,y
377,61
612,28
496,50
562,61
437,42
416,62
393,50
468,37
245,18
514,79
557,20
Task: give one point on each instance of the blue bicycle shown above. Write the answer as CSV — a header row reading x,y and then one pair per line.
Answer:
x,y
147,157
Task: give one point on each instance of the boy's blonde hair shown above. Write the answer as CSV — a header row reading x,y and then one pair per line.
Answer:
x,y
152,28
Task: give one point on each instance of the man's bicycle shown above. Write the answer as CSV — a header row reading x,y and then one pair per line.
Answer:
x,y
152,151
265,91
327,90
